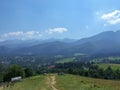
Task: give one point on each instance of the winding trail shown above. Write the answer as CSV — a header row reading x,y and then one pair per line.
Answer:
x,y
52,81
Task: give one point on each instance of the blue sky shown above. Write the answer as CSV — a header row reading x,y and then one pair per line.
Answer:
x,y
41,19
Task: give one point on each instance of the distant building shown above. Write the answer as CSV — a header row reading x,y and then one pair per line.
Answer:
x,y
51,67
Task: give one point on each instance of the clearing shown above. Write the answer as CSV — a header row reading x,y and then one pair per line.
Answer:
x,y
113,66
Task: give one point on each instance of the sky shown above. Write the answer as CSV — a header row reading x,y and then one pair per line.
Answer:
x,y
44,19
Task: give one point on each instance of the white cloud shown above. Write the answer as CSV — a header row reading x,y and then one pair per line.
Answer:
x,y
57,30
30,34
21,35
112,18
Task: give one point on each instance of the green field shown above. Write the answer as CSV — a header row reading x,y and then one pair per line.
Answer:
x,y
100,60
65,82
72,82
65,60
34,83
114,58
113,66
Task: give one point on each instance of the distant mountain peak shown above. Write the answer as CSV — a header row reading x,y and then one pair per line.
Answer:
x,y
106,43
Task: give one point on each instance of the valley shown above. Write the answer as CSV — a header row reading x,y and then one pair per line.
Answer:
x,y
59,45
85,64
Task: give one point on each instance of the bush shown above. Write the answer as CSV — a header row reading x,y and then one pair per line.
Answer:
x,y
28,72
13,71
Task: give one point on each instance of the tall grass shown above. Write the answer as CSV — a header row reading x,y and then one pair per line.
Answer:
x,y
72,82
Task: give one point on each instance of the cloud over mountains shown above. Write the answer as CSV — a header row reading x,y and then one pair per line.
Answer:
x,y
112,18
31,34
57,30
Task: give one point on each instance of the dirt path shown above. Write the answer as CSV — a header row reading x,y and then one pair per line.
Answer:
x,y
52,82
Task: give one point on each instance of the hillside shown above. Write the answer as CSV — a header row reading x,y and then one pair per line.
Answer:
x,y
72,82
65,82
33,83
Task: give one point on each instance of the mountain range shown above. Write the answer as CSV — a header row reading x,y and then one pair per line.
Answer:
x,y
106,43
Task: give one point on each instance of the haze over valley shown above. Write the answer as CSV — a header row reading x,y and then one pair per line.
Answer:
x,y
59,45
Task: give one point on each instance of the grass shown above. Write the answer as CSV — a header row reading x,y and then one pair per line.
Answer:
x,y
98,60
113,66
114,58
66,82
34,83
65,60
72,82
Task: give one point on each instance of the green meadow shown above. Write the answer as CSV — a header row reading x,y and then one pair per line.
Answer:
x,y
65,82
33,83
113,66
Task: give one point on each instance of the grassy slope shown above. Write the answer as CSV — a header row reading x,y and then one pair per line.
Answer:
x,y
34,83
72,82
66,82
113,66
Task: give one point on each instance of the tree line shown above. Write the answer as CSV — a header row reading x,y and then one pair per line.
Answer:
x,y
14,71
86,69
